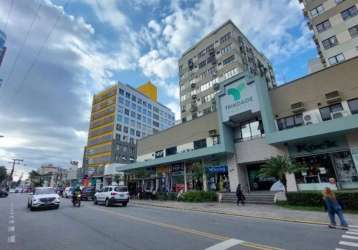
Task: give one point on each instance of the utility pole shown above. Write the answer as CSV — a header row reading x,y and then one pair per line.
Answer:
x,y
14,162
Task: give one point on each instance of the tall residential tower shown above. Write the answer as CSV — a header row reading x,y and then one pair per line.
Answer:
x,y
120,116
223,53
335,27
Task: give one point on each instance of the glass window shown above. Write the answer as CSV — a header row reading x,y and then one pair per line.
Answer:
x,y
121,100
330,42
255,129
325,25
134,98
317,11
290,122
139,109
245,131
134,106
125,130
149,113
119,118
126,120
132,123
139,101
350,12
119,127
200,144
229,60
121,91
139,125
144,103
298,120
144,119
327,111
131,131
128,95
128,103
149,106
132,114
137,133
336,59
353,31
353,106
139,117
126,111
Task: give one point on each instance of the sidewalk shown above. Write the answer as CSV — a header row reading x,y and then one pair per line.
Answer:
x,y
270,212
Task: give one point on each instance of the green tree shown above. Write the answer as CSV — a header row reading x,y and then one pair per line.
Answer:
x,y
35,178
278,166
3,174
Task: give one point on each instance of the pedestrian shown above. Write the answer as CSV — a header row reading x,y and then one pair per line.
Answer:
x,y
333,207
240,195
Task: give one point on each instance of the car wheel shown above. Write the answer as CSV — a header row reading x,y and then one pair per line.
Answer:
x,y
107,204
32,208
57,207
95,201
28,205
124,204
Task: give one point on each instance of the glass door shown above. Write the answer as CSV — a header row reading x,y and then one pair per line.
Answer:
x,y
347,176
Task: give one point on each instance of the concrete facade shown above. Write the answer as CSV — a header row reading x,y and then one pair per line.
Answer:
x,y
335,27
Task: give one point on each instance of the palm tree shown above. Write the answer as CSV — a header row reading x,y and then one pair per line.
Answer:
x,y
278,166
35,178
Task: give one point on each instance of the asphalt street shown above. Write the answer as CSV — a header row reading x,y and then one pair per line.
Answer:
x,y
143,227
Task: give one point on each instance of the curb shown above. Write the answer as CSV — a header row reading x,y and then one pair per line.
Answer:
x,y
311,222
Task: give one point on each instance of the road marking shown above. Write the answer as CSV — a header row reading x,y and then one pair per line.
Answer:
x,y
340,249
348,243
187,230
225,244
354,233
11,229
353,226
11,239
350,237
11,221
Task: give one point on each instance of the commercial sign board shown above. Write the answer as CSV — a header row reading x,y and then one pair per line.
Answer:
x,y
240,97
217,169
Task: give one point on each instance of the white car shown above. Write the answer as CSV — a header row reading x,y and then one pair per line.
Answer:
x,y
68,192
43,197
110,195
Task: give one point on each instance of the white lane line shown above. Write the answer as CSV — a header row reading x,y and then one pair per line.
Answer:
x,y
11,239
353,226
350,237
11,221
354,233
225,244
340,249
11,229
348,243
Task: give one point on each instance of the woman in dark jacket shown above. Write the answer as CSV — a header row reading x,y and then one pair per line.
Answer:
x,y
240,195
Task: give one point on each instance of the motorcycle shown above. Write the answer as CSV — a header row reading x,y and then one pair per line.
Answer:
x,y
76,200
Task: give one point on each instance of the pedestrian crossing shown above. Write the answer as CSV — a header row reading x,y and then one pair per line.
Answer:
x,y
349,239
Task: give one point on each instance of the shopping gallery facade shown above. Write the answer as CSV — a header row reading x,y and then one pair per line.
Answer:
x,y
313,120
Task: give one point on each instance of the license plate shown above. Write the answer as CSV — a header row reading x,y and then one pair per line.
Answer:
x,y
121,195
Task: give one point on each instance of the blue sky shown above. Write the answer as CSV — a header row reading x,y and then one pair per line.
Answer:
x,y
48,84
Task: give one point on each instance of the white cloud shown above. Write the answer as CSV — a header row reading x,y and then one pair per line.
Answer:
x,y
153,64
154,26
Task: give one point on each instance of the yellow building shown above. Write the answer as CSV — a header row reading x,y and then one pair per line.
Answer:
x,y
149,90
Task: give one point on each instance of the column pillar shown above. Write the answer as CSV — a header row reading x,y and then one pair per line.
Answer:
x,y
232,172
291,183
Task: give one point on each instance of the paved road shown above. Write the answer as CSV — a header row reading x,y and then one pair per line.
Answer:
x,y
140,227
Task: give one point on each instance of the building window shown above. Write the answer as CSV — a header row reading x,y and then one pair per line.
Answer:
x,y
200,144
317,11
202,64
327,111
225,38
134,98
353,106
131,131
120,100
139,117
226,49
149,106
119,127
134,106
290,122
126,120
330,42
229,60
126,111
121,91
139,101
137,133
171,151
325,25
156,124
250,130
339,1
128,95
132,114
350,12
125,130
353,31
336,59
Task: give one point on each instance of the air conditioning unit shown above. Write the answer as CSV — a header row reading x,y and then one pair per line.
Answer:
x,y
213,132
311,117
333,96
297,107
338,114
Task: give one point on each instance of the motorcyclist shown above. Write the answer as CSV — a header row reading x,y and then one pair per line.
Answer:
x,y
76,191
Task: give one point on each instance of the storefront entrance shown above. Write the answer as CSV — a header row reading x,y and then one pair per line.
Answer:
x,y
218,179
322,167
256,182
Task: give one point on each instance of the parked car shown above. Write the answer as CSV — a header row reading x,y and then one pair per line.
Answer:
x,y
68,192
87,193
3,193
110,195
43,197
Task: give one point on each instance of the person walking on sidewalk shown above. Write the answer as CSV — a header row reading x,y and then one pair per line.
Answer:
x,y
333,207
240,195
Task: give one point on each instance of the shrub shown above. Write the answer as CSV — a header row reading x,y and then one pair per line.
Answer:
x,y
164,196
199,196
314,199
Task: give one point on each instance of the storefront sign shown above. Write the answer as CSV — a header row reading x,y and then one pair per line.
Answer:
x,y
311,147
217,169
159,154
177,169
239,97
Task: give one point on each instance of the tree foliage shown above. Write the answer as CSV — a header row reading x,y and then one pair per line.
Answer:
x,y
278,166
3,174
35,178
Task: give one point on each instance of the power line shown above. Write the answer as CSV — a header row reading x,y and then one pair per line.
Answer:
x,y
38,54
8,15
23,43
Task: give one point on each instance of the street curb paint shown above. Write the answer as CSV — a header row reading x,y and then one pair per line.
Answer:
x,y
235,214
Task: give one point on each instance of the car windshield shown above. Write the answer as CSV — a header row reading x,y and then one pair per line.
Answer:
x,y
121,189
44,191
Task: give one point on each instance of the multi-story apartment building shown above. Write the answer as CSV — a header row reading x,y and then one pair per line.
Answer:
x,y
120,116
2,45
223,53
335,27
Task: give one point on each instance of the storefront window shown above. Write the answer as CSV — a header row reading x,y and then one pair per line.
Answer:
x,y
347,175
327,111
249,130
353,106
